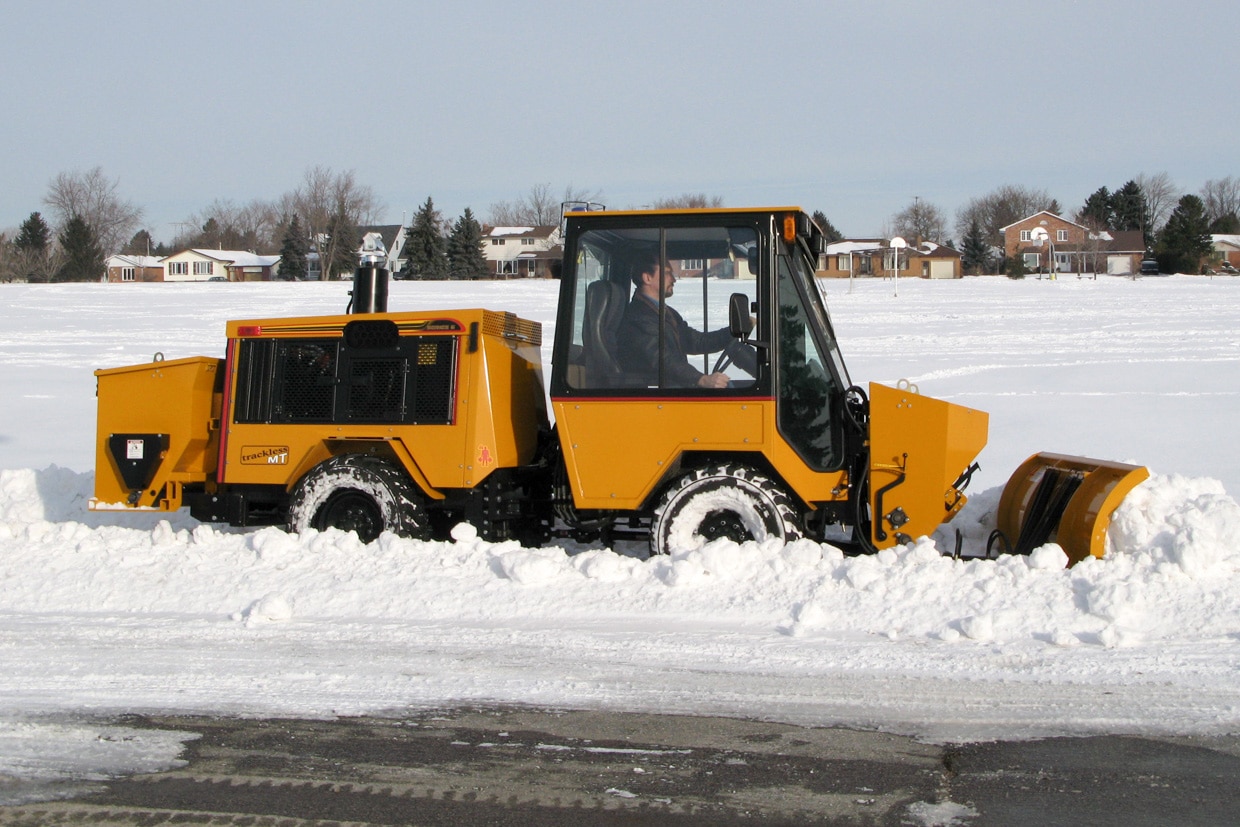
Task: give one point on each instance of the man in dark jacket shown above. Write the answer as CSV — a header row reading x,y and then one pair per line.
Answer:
x,y
639,334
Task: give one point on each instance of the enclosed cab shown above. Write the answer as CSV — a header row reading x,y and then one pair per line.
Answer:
x,y
784,444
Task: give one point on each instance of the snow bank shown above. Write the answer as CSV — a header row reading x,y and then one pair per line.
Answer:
x,y
1171,574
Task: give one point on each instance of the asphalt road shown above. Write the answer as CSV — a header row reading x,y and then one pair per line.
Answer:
x,y
528,767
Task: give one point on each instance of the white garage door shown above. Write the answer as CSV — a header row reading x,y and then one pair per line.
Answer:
x,y
1119,265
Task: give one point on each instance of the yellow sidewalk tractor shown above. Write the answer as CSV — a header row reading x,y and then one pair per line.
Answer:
x,y
697,391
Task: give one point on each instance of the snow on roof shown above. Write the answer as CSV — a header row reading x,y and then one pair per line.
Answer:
x,y
867,245
239,258
121,260
1229,240
540,231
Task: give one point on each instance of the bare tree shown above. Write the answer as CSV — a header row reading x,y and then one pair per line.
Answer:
x,y
689,201
1221,197
224,225
1006,205
537,208
920,220
325,197
1161,196
92,196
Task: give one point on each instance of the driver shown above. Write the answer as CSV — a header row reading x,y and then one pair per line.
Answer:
x,y
638,337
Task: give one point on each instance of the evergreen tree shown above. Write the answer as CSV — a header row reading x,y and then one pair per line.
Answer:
x,y
83,255
1014,267
1185,240
975,254
31,252
33,236
140,245
293,251
1132,212
1099,210
828,229
426,248
466,256
211,237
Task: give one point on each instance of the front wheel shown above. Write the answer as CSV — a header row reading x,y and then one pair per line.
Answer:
x,y
360,493
722,501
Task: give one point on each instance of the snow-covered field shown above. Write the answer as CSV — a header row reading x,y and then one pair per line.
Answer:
x,y
108,613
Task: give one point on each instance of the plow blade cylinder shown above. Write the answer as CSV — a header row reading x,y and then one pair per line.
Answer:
x,y
1066,500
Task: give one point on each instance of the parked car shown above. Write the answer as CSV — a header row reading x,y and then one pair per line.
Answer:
x,y
1149,267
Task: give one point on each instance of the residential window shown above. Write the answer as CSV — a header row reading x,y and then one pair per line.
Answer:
x,y
203,268
843,263
498,242
178,268
1032,261
1061,235
891,257
692,265
127,274
527,242
1026,235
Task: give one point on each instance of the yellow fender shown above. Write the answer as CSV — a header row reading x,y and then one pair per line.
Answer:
x,y
1068,500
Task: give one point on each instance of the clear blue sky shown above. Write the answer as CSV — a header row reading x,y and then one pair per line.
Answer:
x,y
851,108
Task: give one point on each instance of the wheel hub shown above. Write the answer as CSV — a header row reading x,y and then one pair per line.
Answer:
x,y
724,525
352,511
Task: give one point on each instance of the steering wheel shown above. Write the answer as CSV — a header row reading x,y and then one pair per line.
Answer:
x,y
857,407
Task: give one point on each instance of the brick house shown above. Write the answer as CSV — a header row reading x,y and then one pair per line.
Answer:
x,y
1226,250
124,269
864,257
1074,247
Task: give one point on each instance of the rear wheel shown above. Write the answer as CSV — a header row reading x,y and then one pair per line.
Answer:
x,y
359,493
722,501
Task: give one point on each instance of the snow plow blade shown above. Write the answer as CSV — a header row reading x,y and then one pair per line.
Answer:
x,y
1055,498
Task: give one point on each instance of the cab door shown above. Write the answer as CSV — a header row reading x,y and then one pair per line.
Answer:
x,y
628,408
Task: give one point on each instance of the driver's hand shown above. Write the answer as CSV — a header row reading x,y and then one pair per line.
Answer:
x,y
714,380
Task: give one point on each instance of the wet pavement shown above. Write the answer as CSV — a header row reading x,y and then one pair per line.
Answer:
x,y
522,767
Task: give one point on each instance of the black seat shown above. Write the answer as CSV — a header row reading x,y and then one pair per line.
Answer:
x,y
605,304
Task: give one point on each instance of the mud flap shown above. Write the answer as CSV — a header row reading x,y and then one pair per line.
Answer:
x,y
1066,500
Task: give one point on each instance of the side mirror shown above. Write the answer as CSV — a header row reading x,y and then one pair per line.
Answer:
x,y
740,323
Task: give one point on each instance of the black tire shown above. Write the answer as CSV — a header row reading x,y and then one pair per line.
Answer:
x,y
726,500
357,493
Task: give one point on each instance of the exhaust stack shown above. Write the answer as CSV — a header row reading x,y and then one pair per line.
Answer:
x,y
370,289
370,280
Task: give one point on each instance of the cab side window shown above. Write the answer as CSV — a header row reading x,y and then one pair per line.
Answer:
x,y
651,309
